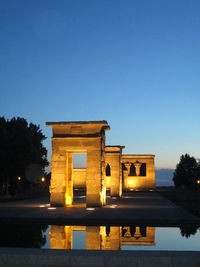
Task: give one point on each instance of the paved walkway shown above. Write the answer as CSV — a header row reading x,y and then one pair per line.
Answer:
x,y
134,208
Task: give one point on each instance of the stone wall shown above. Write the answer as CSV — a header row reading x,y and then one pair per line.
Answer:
x,y
138,182
57,258
79,178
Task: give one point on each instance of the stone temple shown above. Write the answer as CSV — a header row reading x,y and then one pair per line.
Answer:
x,y
107,167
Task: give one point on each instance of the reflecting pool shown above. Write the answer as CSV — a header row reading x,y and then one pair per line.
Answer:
x,y
129,237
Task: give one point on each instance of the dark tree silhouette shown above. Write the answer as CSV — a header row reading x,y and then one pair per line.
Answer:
x,y
187,231
25,236
187,172
20,146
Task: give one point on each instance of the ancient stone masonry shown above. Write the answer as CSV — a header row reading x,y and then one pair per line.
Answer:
x,y
106,166
114,179
78,137
138,172
102,237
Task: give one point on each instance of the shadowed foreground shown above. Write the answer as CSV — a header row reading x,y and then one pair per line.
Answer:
x,y
136,207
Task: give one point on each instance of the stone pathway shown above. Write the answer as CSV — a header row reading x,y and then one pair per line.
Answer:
x,y
139,208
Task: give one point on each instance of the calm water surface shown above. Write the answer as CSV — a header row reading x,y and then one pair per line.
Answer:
x,y
100,237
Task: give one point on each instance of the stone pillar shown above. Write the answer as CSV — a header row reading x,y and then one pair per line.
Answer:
x,y
103,171
137,168
58,176
150,174
60,237
115,238
128,166
115,188
95,188
68,237
125,173
69,181
113,158
137,232
57,237
93,237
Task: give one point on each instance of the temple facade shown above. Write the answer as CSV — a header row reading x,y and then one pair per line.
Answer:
x,y
107,167
102,237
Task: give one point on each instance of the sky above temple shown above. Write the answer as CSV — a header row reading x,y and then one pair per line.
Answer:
x,y
135,64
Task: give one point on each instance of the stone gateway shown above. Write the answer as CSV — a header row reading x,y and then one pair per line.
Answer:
x,y
106,166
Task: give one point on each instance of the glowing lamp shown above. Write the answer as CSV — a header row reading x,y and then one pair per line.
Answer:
x,y
19,178
42,179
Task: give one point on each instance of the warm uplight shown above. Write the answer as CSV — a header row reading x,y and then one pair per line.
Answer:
x,y
198,181
90,208
52,208
113,206
42,179
19,178
68,199
131,183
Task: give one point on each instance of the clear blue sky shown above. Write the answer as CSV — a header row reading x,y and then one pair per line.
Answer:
x,y
135,64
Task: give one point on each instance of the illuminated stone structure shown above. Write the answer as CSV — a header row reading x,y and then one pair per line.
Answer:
x,y
106,166
138,236
114,170
138,172
102,237
78,137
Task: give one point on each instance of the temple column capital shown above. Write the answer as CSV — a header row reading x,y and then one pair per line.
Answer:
x,y
128,166
137,165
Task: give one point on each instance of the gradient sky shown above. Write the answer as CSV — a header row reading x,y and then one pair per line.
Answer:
x,y
135,64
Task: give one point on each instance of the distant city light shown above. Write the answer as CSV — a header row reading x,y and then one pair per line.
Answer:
x,y
19,178
198,181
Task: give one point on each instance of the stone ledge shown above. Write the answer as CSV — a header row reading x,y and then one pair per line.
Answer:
x,y
83,258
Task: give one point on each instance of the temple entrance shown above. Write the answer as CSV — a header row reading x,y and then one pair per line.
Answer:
x,y
78,137
79,177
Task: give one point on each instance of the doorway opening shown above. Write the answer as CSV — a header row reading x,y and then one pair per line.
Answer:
x,y
79,177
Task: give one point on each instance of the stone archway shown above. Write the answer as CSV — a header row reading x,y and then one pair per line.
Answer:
x,y
78,137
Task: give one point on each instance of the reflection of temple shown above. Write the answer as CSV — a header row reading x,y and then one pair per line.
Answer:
x,y
102,237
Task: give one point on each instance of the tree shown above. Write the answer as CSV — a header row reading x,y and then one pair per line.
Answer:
x,y
20,146
187,172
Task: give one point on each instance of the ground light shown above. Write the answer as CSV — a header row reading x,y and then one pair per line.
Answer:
x,y
113,206
90,208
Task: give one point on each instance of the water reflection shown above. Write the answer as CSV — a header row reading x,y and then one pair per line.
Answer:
x,y
129,237
102,237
